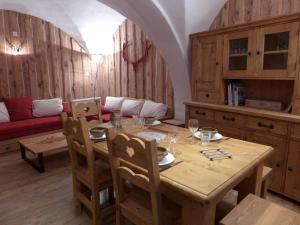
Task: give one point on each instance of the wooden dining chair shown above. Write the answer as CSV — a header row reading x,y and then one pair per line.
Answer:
x,y
138,197
89,176
88,108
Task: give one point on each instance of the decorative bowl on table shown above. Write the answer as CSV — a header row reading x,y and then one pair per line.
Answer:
x,y
97,132
213,131
161,153
149,120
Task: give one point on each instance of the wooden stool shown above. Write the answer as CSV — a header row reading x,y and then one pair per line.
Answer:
x,y
257,211
265,177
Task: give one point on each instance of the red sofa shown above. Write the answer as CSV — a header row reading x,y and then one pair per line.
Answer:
x,y
21,128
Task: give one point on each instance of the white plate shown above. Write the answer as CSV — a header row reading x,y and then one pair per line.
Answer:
x,y
168,159
103,137
216,137
155,123
152,135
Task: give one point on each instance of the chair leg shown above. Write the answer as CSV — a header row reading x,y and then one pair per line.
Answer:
x,y
111,196
264,188
96,207
78,205
120,220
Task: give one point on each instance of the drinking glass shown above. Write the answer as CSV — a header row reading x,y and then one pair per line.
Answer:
x,y
205,137
173,140
193,127
141,122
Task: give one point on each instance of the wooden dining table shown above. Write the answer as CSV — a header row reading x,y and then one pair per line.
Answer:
x,y
198,184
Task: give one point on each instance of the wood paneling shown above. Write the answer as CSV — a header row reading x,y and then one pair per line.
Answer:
x,y
152,78
52,64
242,11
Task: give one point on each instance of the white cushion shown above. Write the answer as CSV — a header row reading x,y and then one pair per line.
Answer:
x,y
113,103
47,107
153,109
131,107
4,116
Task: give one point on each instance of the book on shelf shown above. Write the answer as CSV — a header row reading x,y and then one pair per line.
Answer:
x,y
236,94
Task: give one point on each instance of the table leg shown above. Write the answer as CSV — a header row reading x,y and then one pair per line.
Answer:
x,y
39,166
251,184
40,161
194,213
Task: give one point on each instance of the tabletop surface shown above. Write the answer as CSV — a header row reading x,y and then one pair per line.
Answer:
x,y
45,143
198,176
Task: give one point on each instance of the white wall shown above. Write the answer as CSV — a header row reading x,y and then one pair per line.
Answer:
x,y
200,14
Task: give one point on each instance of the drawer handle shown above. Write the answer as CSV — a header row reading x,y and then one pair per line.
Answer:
x,y
207,95
271,126
7,148
290,169
232,119
200,113
278,165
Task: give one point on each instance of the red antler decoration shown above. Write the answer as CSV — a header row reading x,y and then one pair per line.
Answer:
x,y
135,64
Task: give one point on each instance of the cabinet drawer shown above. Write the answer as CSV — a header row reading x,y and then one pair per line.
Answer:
x,y
9,147
209,97
230,118
272,126
198,113
295,131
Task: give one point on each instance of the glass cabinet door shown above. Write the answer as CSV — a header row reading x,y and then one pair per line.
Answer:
x,y
238,53
277,50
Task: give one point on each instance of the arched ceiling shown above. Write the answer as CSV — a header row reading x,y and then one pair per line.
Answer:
x,y
91,23
167,22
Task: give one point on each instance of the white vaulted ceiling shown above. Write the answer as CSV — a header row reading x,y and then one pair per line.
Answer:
x,y
90,22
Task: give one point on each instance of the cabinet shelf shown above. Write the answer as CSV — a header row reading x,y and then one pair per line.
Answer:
x,y
238,55
276,52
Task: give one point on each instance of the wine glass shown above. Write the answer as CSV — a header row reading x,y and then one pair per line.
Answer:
x,y
193,127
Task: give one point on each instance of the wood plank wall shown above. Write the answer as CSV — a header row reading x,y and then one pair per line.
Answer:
x,y
53,64
243,11
50,64
150,81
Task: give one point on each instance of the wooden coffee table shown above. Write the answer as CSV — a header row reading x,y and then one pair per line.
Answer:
x,y
38,146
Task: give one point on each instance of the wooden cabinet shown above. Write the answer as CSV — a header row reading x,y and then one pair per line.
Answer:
x,y
238,55
277,50
292,182
206,68
276,161
264,53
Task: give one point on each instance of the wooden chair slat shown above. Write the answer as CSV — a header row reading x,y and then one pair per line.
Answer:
x,y
136,179
86,108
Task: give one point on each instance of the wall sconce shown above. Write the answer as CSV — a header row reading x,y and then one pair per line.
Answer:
x,y
15,49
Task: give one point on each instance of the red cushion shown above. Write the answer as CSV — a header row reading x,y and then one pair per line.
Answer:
x,y
67,109
104,110
28,127
105,118
19,108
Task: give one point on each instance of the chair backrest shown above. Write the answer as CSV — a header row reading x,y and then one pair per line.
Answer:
x,y
137,152
86,108
79,143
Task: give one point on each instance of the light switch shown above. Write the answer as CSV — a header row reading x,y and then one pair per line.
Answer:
x,y
15,34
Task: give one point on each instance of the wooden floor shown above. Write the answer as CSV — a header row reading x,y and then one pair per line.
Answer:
x,y
30,198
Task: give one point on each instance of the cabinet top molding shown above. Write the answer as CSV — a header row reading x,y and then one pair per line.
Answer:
x,y
247,111
250,25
